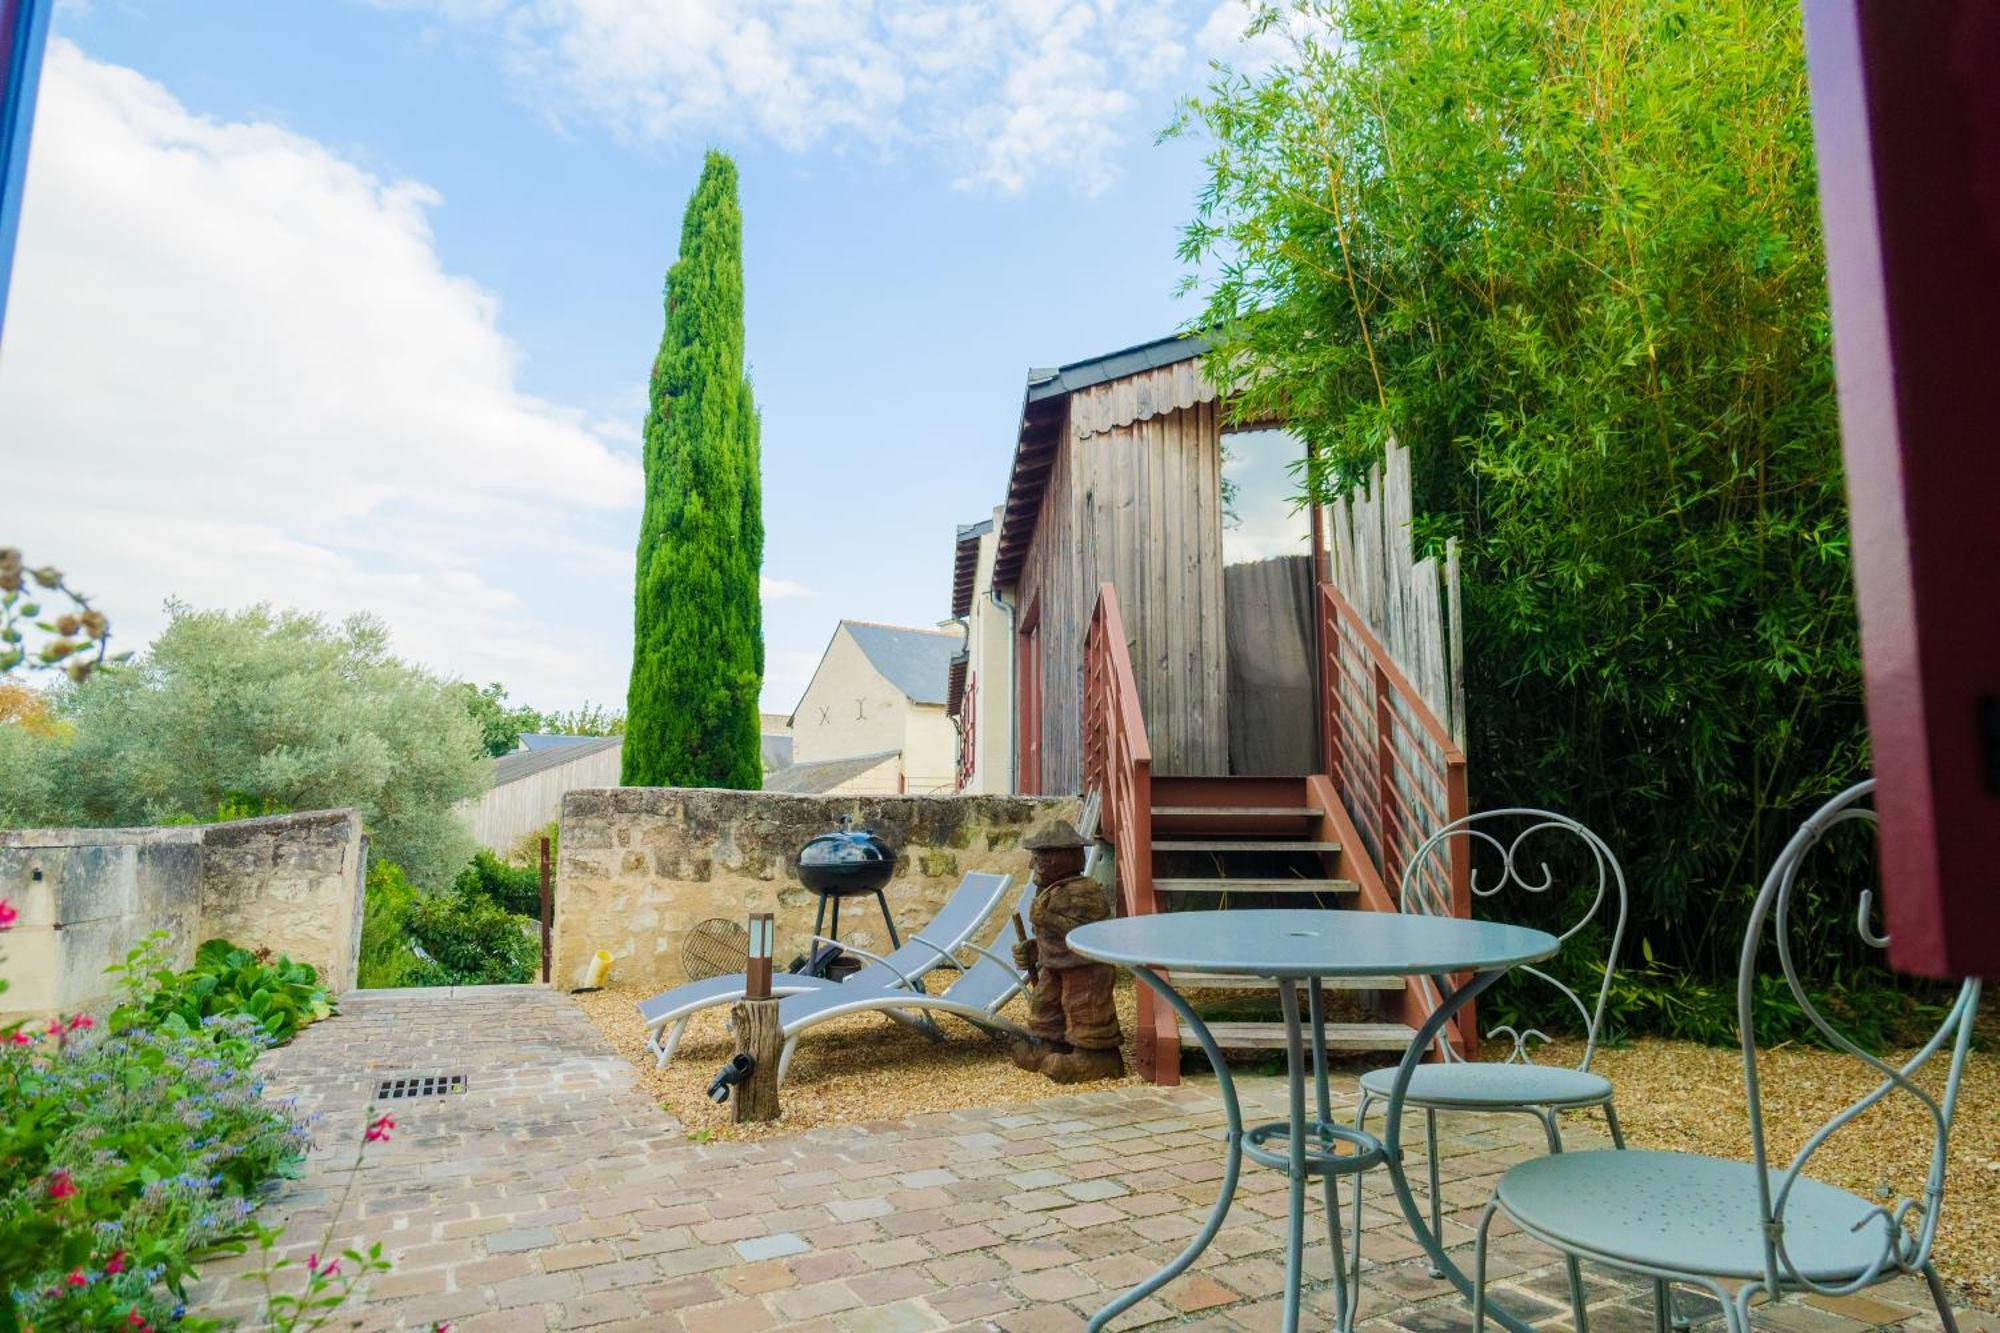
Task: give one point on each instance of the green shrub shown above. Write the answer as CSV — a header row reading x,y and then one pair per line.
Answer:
x,y
128,1155
462,938
470,940
385,959
528,851
516,888
278,995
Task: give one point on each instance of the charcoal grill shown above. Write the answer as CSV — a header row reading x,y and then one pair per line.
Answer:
x,y
847,863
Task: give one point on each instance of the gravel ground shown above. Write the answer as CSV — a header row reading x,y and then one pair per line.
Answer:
x,y
1677,1095
846,1071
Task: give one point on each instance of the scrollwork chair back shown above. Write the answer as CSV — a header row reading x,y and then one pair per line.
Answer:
x,y
1426,888
1909,1226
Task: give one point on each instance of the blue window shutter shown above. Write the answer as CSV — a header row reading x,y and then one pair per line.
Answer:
x,y
24,31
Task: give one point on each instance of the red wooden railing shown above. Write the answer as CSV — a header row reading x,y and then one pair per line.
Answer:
x,y
1118,765
1399,775
1391,776
1398,771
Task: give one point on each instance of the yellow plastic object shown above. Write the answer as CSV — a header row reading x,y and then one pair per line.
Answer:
x,y
600,968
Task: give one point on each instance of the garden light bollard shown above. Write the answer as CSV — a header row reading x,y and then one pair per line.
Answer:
x,y
755,1021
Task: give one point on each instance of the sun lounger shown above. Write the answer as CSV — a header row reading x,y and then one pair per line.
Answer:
x,y
981,991
930,948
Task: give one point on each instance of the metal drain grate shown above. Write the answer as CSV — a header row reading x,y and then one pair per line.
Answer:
x,y
419,1085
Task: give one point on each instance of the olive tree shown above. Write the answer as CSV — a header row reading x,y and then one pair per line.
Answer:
x,y
259,711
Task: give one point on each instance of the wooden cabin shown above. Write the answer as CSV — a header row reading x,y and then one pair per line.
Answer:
x,y
1125,474
1154,617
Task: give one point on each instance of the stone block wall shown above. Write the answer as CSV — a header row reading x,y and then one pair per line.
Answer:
x,y
637,866
288,883
291,883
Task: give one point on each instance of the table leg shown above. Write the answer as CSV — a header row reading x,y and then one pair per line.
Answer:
x,y
1450,1001
1346,1300
1295,1217
1232,1159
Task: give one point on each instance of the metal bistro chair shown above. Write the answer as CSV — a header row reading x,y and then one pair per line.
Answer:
x,y
1715,1223
1516,1084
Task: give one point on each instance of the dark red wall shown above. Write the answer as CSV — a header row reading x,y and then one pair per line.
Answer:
x,y
1906,112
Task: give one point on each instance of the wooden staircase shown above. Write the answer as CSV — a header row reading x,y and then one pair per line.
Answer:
x,y
1183,843
1223,842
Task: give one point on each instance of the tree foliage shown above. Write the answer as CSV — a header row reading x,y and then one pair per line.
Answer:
x,y
500,723
698,642
258,710
76,636
1568,253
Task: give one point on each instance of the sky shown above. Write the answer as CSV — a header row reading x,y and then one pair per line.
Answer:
x,y
349,306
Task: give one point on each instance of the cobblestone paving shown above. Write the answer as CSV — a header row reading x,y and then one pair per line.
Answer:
x,y
553,1195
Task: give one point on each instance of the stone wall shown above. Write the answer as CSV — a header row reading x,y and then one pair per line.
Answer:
x,y
291,883
637,866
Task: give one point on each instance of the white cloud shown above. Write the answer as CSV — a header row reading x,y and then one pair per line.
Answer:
x,y
236,370
780,590
1223,37
1003,92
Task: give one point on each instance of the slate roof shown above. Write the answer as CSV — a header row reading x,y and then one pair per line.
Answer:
x,y
548,740
524,763
822,776
915,661
1054,383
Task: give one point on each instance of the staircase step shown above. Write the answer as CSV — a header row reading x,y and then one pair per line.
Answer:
x,y
1186,981
1339,1036
1242,845
1246,811
1231,884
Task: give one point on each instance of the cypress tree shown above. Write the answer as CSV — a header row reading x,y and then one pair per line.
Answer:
x,y
698,636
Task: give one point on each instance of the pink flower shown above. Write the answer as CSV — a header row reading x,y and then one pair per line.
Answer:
x,y
8,916
76,1278
60,1185
378,1132
82,1023
55,1027
138,1321
23,1039
116,1263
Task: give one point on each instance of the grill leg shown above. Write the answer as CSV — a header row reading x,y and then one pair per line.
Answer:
x,y
819,917
834,934
895,941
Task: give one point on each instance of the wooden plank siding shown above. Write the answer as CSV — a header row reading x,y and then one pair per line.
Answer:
x,y
1134,499
509,812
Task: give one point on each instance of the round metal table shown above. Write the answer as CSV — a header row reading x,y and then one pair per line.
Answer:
x,y
1291,947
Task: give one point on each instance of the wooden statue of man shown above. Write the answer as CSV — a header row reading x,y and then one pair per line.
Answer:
x,y
1074,1023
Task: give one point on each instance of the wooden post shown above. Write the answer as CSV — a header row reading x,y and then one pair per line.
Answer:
x,y
755,1022
1388,845
548,902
